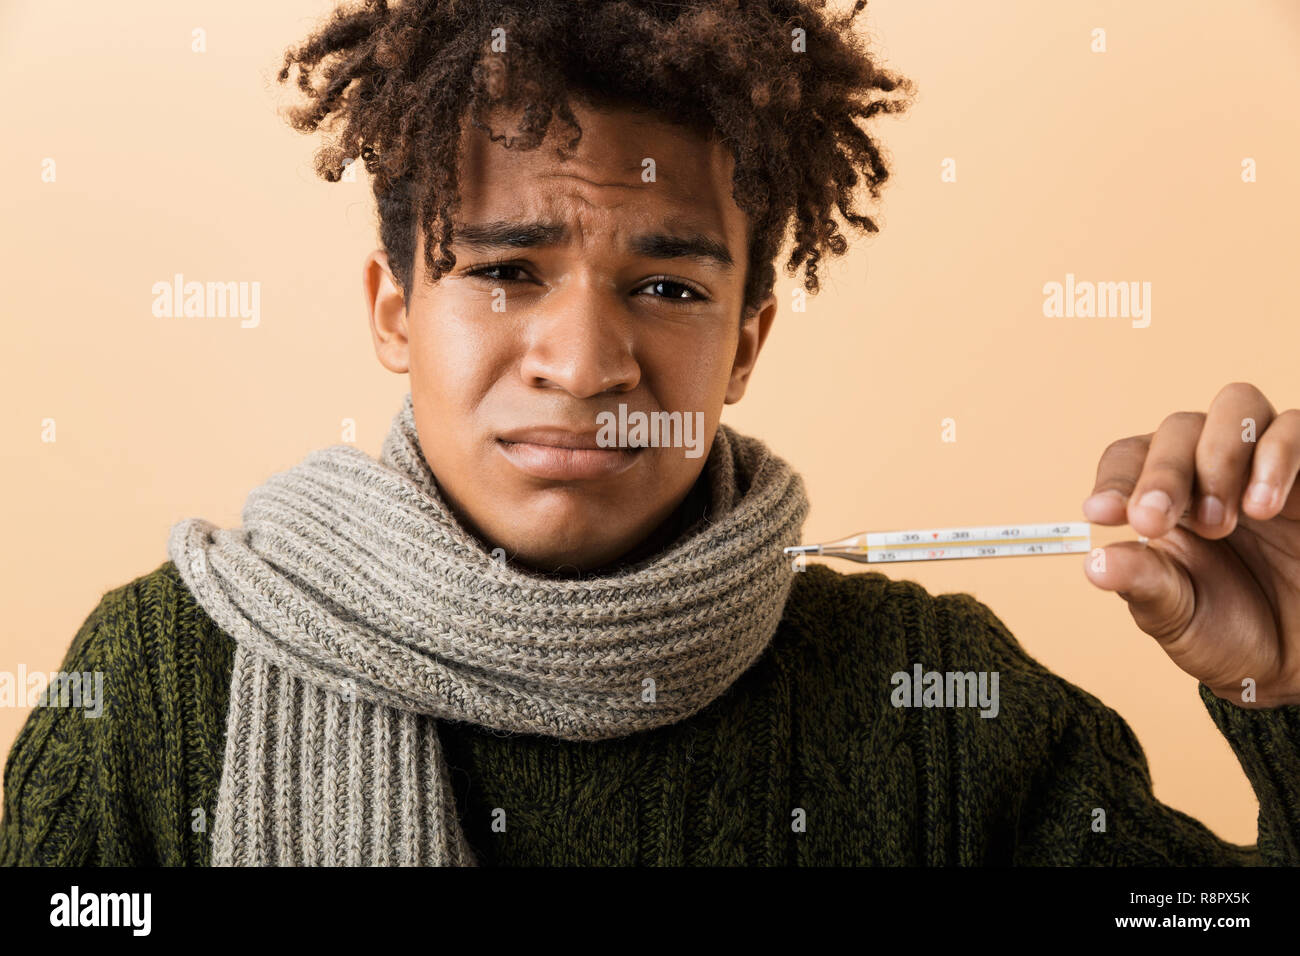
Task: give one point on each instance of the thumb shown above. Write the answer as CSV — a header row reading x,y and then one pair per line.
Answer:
x,y
1158,589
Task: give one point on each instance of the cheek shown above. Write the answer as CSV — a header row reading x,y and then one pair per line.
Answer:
x,y
690,375
452,360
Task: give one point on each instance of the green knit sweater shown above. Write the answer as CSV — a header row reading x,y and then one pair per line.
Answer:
x,y
806,760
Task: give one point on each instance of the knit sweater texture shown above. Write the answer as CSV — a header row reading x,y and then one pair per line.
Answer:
x,y
803,761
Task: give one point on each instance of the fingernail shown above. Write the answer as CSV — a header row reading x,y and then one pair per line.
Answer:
x,y
1261,494
1211,511
1093,501
1156,501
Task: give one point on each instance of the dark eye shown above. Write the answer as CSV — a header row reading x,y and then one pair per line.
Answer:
x,y
484,270
673,290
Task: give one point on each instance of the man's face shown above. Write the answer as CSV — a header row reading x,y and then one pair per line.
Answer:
x,y
536,331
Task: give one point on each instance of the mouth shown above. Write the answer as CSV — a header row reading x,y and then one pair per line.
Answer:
x,y
559,455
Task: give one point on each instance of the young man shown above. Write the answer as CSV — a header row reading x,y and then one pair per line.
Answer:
x,y
507,642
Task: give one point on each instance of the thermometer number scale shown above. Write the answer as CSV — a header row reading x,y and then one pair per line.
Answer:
x,y
937,544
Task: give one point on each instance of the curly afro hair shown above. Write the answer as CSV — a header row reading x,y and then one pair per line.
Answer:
x,y
400,78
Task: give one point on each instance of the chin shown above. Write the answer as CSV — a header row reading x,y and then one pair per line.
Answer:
x,y
564,527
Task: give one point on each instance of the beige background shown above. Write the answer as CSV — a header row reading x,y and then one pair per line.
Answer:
x,y
1123,165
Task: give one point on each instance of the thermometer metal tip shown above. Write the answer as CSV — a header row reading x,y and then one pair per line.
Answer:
x,y
805,549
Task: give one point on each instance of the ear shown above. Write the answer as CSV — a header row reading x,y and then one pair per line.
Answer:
x,y
754,327
387,308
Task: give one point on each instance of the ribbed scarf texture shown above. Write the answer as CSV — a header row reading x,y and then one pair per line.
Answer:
x,y
364,612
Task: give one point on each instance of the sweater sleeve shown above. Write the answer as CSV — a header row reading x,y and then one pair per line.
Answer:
x,y
52,777
1090,801
133,786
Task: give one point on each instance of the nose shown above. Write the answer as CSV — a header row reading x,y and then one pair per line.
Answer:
x,y
581,339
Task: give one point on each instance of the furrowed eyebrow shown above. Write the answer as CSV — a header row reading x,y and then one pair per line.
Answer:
x,y
702,248
510,234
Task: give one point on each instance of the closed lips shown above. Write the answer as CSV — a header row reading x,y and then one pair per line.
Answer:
x,y
554,437
554,454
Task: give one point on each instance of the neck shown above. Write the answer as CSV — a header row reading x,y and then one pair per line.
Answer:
x,y
692,508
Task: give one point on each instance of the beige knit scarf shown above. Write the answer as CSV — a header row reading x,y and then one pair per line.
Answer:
x,y
364,612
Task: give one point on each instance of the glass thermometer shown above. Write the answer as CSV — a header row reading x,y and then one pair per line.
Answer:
x,y
937,544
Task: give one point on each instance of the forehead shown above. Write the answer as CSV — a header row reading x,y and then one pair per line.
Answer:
x,y
619,151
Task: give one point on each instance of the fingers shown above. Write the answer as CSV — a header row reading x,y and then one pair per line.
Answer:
x,y
1197,469
1224,452
1276,461
1117,473
1163,491
1159,593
